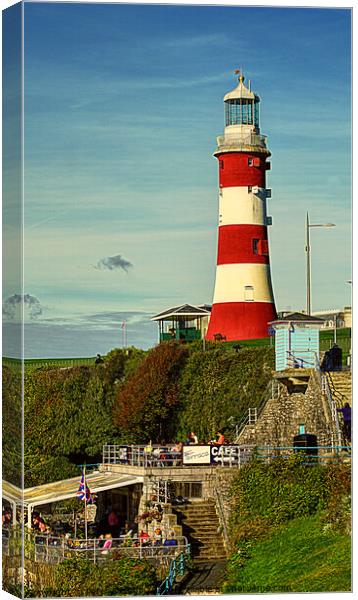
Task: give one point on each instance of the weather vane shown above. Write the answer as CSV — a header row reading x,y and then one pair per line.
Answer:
x,y
239,72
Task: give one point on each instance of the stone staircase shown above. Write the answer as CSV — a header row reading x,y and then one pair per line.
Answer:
x,y
200,524
282,416
340,383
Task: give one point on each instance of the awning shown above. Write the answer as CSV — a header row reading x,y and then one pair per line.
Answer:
x,y
66,488
11,492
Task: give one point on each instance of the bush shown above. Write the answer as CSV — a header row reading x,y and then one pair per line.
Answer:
x,y
266,495
79,577
217,386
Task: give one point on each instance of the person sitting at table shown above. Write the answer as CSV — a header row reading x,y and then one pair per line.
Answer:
x,y
41,525
148,453
157,537
107,543
170,542
144,538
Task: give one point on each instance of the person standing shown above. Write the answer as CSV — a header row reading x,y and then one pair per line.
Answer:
x,y
347,420
193,439
113,523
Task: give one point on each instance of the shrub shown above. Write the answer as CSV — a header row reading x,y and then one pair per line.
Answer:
x,y
79,577
217,386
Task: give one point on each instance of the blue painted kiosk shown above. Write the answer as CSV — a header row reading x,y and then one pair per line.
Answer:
x,y
296,341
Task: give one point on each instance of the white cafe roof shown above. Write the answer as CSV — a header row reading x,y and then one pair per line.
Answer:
x,y
67,488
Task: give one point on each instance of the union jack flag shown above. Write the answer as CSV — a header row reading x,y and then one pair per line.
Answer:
x,y
81,494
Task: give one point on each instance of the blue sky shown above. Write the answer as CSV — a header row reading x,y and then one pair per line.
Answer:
x,y
122,107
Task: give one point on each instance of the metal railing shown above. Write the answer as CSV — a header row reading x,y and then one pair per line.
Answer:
x,y
177,566
51,549
334,392
154,455
298,360
326,390
251,416
322,455
221,513
159,456
251,139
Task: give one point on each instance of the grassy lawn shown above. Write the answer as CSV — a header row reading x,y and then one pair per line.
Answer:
x,y
34,363
299,557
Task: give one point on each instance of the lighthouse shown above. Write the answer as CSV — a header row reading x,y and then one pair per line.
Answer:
x,y
243,301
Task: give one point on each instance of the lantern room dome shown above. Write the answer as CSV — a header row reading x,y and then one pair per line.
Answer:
x,y
241,92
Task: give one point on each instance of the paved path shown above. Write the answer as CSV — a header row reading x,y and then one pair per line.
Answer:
x,y
206,579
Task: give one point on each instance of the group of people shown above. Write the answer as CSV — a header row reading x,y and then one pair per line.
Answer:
x,y
192,439
169,454
158,538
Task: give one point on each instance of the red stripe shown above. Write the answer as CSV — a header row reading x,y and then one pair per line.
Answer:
x,y
235,244
241,320
234,170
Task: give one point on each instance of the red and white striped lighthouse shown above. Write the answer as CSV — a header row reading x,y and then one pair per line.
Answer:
x,y
243,301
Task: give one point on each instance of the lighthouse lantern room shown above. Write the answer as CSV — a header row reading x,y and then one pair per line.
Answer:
x,y
243,301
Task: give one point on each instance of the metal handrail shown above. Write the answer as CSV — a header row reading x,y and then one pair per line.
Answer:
x,y
333,389
270,393
222,519
294,357
178,566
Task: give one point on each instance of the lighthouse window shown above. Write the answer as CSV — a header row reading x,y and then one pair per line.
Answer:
x,y
251,162
249,293
256,114
239,112
255,245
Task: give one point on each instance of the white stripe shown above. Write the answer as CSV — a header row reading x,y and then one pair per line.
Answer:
x,y
239,206
231,281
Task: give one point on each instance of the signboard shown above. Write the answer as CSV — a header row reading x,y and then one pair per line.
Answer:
x,y
91,510
215,455
196,455
225,454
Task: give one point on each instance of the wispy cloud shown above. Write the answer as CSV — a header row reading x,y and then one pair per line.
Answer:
x,y
113,263
14,302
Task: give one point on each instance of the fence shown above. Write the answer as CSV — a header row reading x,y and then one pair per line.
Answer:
x,y
323,455
53,550
192,455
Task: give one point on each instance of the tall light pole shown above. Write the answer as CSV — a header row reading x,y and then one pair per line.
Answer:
x,y
308,259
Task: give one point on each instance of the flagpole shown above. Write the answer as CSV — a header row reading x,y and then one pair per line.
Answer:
x,y
84,479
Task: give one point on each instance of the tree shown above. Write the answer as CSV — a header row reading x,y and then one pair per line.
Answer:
x,y
146,402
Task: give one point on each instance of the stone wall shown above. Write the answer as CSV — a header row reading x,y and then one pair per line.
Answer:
x,y
282,416
35,575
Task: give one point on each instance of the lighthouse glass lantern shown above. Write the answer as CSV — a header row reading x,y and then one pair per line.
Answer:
x,y
243,301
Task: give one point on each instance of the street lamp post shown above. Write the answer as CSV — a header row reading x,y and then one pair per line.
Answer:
x,y
308,259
